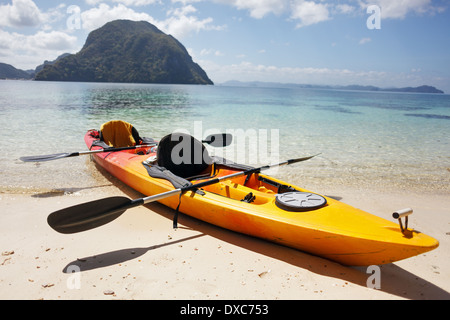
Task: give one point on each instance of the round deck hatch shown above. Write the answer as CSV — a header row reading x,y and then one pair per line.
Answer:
x,y
299,201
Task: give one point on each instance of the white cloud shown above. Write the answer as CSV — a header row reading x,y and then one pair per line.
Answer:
x,y
258,8
54,14
21,13
345,8
207,52
179,23
185,10
365,40
29,51
137,2
40,41
181,26
97,17
399,9
53,40
309,12
133,3
185,2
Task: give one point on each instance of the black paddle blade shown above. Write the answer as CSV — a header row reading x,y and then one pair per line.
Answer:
x,y
47,157
219,140
88,215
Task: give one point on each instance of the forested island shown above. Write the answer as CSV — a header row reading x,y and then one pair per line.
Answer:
x,y
127,51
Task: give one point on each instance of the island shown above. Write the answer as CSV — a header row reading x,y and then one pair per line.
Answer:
x,y
261,84
129,52
7,71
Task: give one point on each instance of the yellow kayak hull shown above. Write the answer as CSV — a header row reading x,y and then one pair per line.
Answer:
x,y
335,231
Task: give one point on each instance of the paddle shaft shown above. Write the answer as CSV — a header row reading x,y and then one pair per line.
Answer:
x,y
215,140
160,196
112,149
97,213
178,191
50,157
199,185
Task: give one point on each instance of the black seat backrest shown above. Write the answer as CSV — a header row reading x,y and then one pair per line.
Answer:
x,y
183,155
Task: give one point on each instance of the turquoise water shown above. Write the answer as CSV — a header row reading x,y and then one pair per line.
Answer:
x,y
366,139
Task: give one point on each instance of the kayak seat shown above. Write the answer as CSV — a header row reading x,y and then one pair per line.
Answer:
x,y
118,134
183,155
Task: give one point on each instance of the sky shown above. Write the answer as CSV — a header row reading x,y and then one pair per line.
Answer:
x,y
384,43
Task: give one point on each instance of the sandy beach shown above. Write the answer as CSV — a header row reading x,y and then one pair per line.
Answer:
x,y
140,256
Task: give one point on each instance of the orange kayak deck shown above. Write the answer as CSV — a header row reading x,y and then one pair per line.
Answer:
x,y
335,231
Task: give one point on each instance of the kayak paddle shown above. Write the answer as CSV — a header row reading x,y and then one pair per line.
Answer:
x,y
56,156
215,140
94,214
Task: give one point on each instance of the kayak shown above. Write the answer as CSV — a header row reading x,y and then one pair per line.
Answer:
x,y
265,207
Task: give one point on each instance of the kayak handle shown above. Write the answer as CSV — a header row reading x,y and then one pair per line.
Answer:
x,y
403,213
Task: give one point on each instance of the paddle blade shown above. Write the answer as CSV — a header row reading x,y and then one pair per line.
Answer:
x,y
88,215
47,157
219,140
301,159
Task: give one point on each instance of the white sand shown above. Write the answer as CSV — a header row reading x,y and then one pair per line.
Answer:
x,y
140,256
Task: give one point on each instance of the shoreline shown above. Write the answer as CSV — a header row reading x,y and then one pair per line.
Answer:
x,y
139,255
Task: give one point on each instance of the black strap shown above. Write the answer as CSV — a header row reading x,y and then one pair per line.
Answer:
x,y
248,178
175,217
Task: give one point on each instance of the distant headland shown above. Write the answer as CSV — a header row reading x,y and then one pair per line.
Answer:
x,y
260,84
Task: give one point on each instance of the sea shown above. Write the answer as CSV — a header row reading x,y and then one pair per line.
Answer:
x,y
363,140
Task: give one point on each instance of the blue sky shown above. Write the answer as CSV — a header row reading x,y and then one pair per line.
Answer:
x,y
291,41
